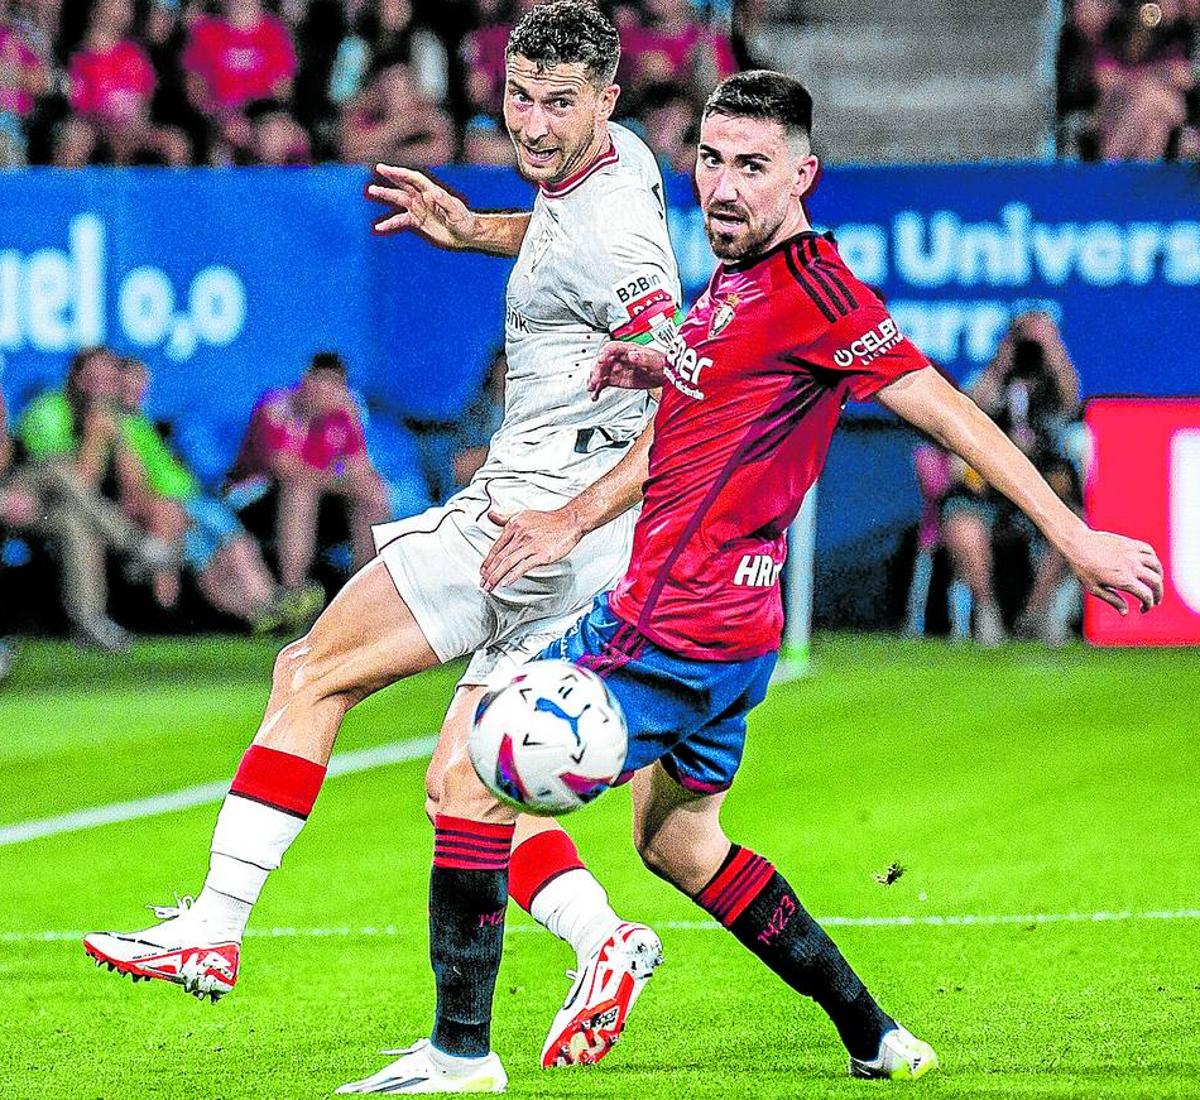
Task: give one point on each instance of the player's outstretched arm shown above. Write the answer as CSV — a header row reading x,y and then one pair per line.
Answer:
x,y
530,539
1106,564
420,204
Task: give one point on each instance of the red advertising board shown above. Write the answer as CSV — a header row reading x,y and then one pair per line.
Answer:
x,y
1144,481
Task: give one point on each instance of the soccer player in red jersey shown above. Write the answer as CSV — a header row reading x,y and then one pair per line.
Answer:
x,y
753,386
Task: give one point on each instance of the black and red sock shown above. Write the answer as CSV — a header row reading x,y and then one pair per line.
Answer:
x,y
754,901
468,891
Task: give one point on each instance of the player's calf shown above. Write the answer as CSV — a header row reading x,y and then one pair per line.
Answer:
x,y
758,905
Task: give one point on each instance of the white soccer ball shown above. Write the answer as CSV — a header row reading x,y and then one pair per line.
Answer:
x,y
550,740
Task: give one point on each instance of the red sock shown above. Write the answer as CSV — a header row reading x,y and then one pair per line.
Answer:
x,y
278,779
538,861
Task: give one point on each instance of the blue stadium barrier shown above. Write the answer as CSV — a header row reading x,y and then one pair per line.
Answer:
x,y
226,281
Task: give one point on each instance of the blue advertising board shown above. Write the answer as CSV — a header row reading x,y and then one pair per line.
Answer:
x,y
226,281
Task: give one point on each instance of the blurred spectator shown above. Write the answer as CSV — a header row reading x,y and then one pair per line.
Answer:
x,y
68,437
381,35
1031,390
672,45
669,126
274,136
17,509
161,494
748,36
485,139
164,34
480,422
391,120
301,81
24,75
308,440
112,83
483,54
234,59
1126,89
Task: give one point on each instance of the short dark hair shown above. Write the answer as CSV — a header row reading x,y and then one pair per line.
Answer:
x,y
568,32
328,360
767,95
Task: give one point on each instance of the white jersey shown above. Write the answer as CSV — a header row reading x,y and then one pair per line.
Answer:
x,y
595,264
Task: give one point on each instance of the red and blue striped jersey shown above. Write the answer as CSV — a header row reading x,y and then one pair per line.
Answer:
x,y
757,378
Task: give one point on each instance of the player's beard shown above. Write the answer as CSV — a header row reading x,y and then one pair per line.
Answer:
x,y
568,162
738,244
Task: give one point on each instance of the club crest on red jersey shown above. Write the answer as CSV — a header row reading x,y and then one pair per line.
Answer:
x,y
722,315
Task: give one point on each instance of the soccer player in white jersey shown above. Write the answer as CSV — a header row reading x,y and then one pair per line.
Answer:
x,y
551,502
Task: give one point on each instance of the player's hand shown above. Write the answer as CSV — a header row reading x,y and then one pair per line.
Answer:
x,y
627,366
422,205
1112,566
528,539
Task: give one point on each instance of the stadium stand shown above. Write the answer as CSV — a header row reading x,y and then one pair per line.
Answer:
x,y
256,82
965,80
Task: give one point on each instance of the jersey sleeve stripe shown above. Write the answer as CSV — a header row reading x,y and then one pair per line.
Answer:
x,y
814,268
831,272
808,289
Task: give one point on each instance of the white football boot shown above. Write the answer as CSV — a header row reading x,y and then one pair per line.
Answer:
x,y
422,1069
593,1016
182,949
902,1057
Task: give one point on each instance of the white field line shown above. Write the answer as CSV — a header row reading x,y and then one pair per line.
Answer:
x,y
967,920
345,763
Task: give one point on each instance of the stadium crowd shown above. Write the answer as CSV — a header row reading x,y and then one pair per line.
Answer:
x,y
1127,87
290,82
86,475
1031,389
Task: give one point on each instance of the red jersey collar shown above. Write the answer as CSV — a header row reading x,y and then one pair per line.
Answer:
x,y
607,156
752,261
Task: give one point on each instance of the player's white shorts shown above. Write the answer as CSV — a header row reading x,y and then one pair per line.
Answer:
x,y
434,560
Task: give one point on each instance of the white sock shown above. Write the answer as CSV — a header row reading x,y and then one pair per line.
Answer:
x,y
574,906
454,1065
248,844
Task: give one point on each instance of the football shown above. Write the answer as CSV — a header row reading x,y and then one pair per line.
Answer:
x,y
550,740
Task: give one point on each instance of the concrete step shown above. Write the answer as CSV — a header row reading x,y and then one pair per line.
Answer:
x,y
928,12
922,90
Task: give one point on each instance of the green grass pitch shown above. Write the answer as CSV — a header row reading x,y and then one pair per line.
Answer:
x,y
1019,782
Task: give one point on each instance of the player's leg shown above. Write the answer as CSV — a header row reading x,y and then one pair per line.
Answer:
x,y
547,878
678,833
468,893
366,639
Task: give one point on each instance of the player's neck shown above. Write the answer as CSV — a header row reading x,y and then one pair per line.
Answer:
x,y
793,224
597,148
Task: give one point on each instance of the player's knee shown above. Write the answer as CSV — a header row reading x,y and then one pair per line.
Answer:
x,y
288,672
302,678
463,795
434,775
685,859
657,854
